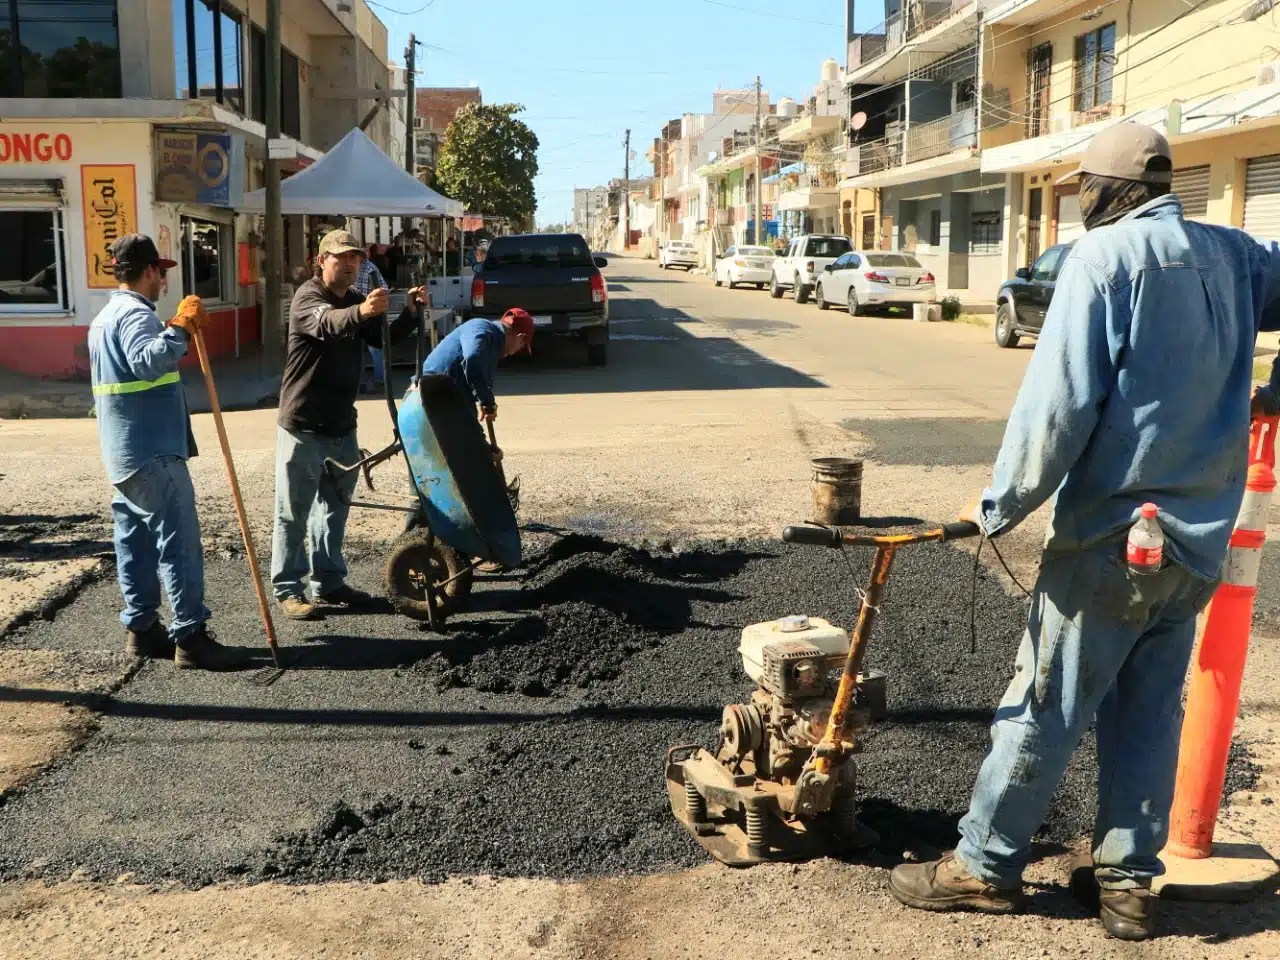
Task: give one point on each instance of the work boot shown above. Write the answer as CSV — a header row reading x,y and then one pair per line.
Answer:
x,y
946,885
200,650
345,596
297,608
152,642
1128,914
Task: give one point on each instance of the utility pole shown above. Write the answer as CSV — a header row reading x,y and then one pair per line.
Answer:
x,y
410,53
626,193
273,329
759,167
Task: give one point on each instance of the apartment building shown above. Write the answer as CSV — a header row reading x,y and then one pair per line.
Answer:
x,y
913,179
811,146
589,204
434,110
148,115
1205,74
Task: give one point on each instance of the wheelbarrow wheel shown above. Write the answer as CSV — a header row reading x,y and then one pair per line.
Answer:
x,y
416,560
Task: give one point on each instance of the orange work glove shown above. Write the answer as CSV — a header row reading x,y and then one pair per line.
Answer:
x,y
191,315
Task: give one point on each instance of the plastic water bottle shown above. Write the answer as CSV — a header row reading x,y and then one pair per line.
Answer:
x,y
1145,548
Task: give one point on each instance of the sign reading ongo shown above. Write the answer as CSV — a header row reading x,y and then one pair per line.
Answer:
x,y
34,147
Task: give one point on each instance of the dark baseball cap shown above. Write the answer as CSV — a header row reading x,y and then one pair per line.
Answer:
x,y
138,250
1125,151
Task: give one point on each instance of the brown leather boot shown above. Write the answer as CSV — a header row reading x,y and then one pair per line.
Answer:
x,y
946,885
151,642
1128,914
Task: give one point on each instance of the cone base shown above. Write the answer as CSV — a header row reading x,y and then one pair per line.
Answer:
x,y
1234,873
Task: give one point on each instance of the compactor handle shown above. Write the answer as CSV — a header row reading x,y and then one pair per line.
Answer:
x,y
813,536
959,530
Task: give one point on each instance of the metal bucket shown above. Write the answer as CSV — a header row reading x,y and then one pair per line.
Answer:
x,y
837,491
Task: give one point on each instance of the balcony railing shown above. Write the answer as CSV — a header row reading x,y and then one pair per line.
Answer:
x,y
921,141
920,16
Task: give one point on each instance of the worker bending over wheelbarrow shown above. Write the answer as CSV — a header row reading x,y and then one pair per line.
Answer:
x,y
469,356
1137,392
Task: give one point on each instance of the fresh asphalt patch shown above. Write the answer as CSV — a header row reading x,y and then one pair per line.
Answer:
x,y
526,741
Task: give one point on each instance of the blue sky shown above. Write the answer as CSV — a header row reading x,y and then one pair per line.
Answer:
x,y
586,71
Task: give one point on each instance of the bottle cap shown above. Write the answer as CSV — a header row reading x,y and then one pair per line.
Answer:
x,y
1149,510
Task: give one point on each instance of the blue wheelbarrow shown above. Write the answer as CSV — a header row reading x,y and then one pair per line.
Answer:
x,y
464,516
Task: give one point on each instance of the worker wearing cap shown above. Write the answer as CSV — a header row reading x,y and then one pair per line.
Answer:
x,y
1138,391
470,355
330,326
145,432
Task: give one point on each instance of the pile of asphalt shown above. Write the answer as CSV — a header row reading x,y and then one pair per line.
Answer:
x,y
529,741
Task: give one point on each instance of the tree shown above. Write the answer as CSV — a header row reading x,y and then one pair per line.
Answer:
x,y
488,161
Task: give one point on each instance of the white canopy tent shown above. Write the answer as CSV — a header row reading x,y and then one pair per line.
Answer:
x,y
356,179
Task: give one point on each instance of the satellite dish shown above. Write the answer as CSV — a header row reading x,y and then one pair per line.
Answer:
x,y
858,120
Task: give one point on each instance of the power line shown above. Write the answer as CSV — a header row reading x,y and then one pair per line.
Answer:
x,y
401,13
771,16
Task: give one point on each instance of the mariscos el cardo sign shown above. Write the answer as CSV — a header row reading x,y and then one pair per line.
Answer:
x,y
34,147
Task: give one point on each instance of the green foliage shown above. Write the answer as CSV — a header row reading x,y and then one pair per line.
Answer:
x,y
488,161
950,307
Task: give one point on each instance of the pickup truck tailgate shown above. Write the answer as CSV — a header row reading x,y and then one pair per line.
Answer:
x,y
541,275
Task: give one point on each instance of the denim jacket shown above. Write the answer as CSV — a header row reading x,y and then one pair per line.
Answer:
x,y
1139,387
137,393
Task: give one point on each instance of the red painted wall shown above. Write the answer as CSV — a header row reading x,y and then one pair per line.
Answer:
x,y
62,353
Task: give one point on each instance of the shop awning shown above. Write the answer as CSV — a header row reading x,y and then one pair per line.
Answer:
x,y
356,179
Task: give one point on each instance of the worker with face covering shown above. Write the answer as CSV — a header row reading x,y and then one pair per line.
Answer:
x,y
1138,391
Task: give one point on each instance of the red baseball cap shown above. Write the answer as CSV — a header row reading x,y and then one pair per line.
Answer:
x,y
520,321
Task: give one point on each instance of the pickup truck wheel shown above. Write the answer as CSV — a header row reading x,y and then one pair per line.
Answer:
x,y
820,297
775,291
799,292
598,354
1006,325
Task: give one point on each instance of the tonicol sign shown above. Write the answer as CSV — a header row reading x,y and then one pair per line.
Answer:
x,y
34,147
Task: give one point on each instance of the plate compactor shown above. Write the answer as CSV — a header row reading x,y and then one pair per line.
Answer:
x,y
781,782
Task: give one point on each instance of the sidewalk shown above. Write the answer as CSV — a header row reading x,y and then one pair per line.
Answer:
x,y
251,381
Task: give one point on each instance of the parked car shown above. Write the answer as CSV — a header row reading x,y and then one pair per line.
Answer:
x,y
38,289
555,278
1023,301
678,253
869,279
744,265
799,268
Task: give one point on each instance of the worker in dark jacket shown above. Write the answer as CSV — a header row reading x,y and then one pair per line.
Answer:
x,y
330,326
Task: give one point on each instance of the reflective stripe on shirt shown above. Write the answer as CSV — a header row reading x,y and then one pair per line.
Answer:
x,y
135,386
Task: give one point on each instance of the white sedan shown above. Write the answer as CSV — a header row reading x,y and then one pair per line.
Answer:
x,y
865,280
678,253
745,265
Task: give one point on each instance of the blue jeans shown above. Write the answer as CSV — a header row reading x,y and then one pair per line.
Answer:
x,y
378,372
311,512
157,537
1099,641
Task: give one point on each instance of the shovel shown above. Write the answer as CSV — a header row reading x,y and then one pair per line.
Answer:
x,y
263,678
513,488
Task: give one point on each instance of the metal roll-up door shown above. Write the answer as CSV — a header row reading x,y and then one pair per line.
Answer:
x,y
1192,187
1262,197
31,193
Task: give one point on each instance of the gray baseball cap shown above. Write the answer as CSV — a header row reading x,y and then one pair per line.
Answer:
x,y
1124,151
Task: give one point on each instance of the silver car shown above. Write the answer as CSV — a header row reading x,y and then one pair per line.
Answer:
x,y
678,253
866,280
745,265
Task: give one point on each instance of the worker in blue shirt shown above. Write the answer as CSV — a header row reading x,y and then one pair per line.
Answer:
x,y
145,432
470,354
1138,391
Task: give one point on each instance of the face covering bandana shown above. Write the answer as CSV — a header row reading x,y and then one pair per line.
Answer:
x,y
1105,200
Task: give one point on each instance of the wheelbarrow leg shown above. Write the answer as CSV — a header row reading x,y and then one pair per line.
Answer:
x,y
434,618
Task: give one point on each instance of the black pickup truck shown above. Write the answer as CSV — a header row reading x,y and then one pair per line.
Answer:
x,y
555,278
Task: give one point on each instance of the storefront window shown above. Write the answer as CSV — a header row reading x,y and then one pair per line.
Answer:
x,y
206,259
62,48
32,278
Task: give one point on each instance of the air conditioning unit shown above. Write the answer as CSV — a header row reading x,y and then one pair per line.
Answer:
x,y
417,123
1268,73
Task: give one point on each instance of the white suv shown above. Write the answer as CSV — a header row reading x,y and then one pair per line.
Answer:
x,y
802,265
678,253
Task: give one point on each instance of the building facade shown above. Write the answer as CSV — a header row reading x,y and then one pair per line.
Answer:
x,y
435,108
147,115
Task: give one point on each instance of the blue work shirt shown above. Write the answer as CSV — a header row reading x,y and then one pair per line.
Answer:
x,y
1139,387
137,393
470,355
